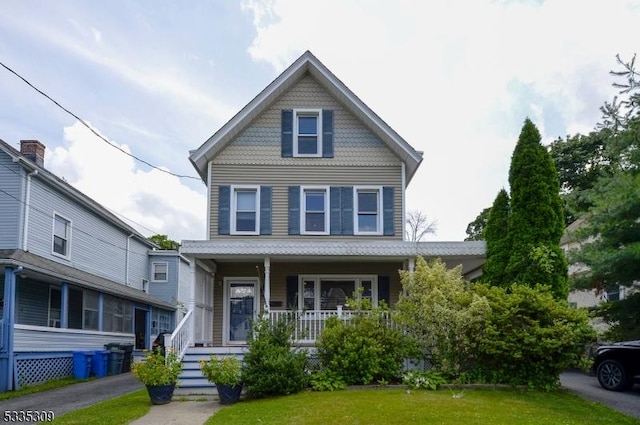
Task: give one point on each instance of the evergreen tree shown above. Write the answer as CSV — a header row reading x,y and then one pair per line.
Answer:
x,y
497,237
536,219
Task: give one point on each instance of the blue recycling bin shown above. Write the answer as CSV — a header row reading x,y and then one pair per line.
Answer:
x,y
99,363
82,364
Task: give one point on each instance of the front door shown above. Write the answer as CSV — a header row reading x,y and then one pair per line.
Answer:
x,y
241,306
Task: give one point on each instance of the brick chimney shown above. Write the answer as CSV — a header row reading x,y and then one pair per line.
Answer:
x,y
33,150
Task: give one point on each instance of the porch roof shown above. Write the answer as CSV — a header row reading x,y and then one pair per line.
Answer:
x,y
471,254
48,270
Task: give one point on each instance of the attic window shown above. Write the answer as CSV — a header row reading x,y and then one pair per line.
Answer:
x,y
307,130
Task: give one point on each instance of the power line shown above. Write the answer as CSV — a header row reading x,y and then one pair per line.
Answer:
x,y
83,122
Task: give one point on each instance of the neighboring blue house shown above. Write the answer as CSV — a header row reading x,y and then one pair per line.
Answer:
x,y
73,276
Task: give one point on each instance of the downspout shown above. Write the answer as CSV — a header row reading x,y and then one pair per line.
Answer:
x,y
126,261
25,227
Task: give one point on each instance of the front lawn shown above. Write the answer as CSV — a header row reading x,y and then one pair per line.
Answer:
x,y
397,406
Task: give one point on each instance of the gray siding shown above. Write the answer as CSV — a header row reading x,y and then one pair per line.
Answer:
x,y
280,178
11,210
27,339
95,245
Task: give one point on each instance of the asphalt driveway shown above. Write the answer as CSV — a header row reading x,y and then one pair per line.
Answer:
x,y
588,387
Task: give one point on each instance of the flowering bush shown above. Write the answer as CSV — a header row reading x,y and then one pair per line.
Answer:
x,y
428,380
158,369
222,370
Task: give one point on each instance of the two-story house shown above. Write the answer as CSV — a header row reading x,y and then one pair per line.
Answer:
x,y
306,206
73,276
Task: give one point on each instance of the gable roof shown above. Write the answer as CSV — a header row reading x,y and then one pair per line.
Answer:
x,y
305,64
72,192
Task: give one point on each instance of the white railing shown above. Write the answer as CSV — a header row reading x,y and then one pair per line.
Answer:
x,y
311,323
181,338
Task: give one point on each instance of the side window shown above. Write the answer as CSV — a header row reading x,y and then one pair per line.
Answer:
x,y
61,235
368,211
307,131
245,214
315,216
159,272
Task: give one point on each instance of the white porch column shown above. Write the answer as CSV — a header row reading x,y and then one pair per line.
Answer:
x,y
267,284
192,299
412,267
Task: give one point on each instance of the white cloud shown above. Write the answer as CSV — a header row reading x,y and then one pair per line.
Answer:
x,y
146,199
441,73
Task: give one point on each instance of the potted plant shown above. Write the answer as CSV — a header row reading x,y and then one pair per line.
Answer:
x,y
226,373
159,373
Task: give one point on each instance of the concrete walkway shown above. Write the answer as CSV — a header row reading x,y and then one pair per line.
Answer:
x,y
77,396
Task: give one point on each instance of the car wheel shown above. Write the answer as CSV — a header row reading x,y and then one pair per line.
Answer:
x,y
612,376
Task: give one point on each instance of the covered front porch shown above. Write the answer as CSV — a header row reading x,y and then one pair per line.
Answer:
x,y
309,280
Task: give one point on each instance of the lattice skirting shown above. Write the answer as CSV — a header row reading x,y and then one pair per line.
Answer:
x,y
36,368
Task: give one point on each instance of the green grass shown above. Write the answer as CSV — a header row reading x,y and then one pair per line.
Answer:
x,y
396,406
116,411
381,406
49,385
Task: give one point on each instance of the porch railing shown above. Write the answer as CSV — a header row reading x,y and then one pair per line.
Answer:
x,y
311,323
182,336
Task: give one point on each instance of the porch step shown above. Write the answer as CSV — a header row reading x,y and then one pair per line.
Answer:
x,y
191,381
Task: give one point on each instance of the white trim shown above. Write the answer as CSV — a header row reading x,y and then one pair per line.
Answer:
x,y
403,201
379,222
308,112
317,279
232,224
153,271
68,235
208,184
303,209
227,281
71,331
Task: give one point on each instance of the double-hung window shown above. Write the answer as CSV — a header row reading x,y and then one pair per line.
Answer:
x,y
245,214
61,235
368,210
159,272
307,131
315,217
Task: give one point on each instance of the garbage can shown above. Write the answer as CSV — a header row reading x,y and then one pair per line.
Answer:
x,y
82,364
115,361
100,363
127,358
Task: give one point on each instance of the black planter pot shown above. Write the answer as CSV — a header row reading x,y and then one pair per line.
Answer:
x,y
160,394
229,394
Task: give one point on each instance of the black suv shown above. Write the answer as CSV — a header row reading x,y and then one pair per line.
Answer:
x,y
617,365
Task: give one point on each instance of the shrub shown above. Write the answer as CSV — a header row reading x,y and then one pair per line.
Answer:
x,y
222,370
271,366
442,314
530,337
158,369
327,380
364,350
428,380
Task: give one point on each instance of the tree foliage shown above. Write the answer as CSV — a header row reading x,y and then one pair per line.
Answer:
x,y
498,241
437,309
475,229
164,242
536,218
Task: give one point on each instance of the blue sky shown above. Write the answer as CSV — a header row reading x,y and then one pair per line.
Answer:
x,y
456,79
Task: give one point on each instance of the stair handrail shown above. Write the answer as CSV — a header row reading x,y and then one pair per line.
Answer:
x,y
181,338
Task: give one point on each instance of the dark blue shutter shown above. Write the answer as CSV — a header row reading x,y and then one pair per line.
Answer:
x,y
335,216
347,210
292,292
224,210
287,133
265,210
294,210
384,290
327,133
387,211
